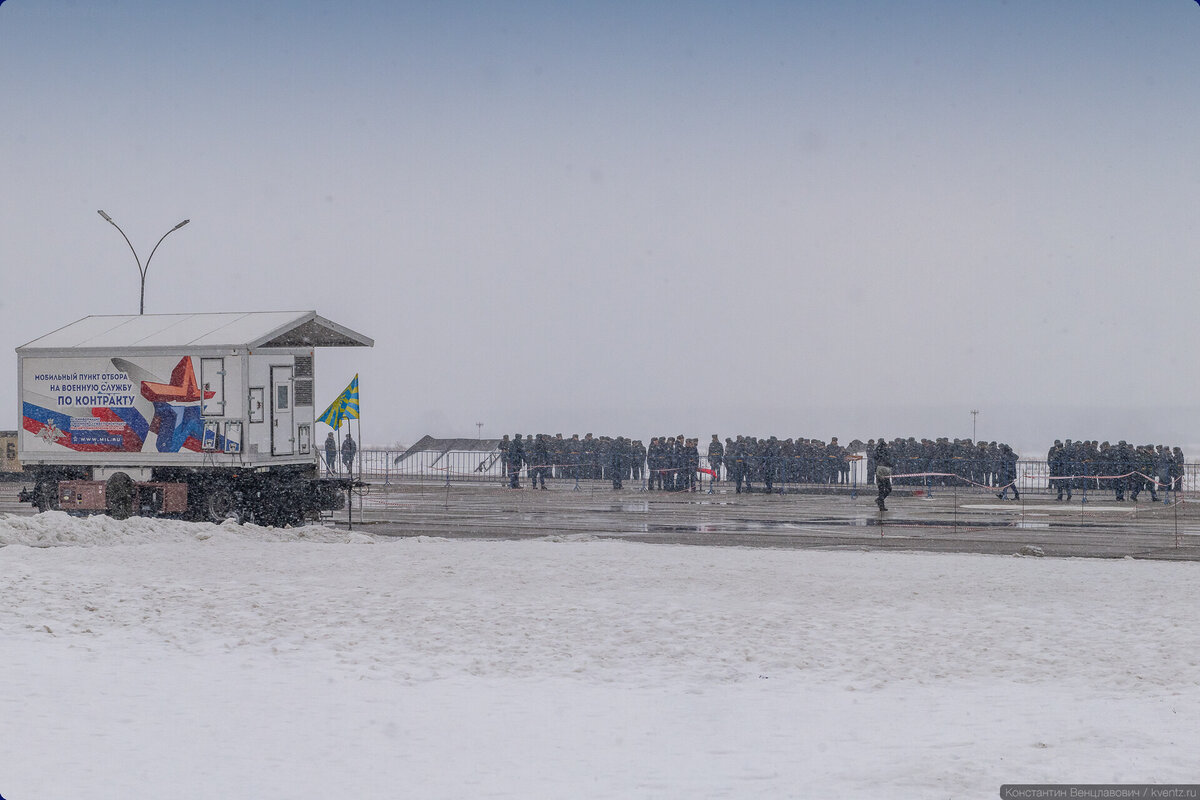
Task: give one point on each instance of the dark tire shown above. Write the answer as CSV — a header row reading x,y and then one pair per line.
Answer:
x,y
118,496
220,505
45,495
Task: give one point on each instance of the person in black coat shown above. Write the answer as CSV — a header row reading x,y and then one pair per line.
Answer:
x,y
1008,473
883,472
516,457
541,462
330,455
618,460
716,454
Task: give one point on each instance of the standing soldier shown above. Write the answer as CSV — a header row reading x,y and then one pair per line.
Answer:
x,y
677,464
1142,463
618,460
716,454
1122,466
558,456
654,464
741,463
770,462
349,448
574,457
1162,467
516,455
1177,470
691,463
330,454
503,448
1057,458
541,462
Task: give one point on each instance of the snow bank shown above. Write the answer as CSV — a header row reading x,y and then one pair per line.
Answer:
x,y
247,662
59,529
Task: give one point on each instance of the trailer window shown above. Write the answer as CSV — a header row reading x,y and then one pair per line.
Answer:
x,y
212,378
281,397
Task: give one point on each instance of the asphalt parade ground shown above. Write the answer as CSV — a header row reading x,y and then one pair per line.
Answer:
x,y
945,520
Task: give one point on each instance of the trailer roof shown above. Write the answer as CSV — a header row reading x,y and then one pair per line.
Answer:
x,y
253,329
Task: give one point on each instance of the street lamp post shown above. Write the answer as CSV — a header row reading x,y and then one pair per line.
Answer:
x,y
141,269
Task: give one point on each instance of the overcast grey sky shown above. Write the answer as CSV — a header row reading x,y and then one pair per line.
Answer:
x,y
791,218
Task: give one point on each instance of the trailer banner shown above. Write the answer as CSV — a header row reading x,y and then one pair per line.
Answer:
x,y
112,405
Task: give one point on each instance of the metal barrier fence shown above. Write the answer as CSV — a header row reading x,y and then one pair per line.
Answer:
x,y
1033,475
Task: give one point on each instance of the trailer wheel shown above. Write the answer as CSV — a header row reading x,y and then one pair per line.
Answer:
x,y
220,505
45,495
118,496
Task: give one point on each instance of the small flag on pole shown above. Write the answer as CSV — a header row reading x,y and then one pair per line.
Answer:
x,y
344,407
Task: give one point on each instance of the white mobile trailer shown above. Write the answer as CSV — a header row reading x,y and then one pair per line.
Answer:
x,y
145,413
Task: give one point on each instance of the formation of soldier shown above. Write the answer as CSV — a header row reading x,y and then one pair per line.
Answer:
x,y
587,458
1121,468
982,463
749,460
676,464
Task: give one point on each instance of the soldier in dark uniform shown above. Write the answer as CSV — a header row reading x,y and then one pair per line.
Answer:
x,y
1008,473
618,460
574,457
741,470
716,455
541,463
883,472
651,462
558,455
770,462
587,462
691,463
1143,467
1177,468
1057,461
1122,464
1162,467
503,448
678,461
516,455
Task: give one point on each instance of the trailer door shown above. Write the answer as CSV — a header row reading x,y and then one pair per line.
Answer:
x,y
283,440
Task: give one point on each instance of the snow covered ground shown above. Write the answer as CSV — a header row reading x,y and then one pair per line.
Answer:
x,y
169,659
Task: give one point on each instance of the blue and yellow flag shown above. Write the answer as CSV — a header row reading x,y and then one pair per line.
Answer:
x,y
344,407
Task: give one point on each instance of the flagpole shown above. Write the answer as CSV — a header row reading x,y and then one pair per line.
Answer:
x,y
360,465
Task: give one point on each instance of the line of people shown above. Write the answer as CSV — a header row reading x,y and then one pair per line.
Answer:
x,y
981,463
587,458
902,460
1133,469
675,463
